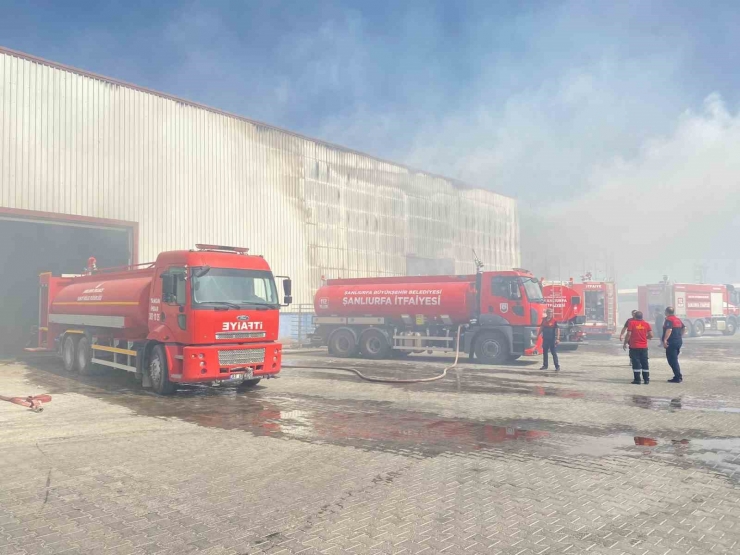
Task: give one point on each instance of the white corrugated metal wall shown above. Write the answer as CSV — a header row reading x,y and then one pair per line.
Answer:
x,y
79,144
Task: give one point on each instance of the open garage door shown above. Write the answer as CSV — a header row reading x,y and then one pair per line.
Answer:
x,y
30,246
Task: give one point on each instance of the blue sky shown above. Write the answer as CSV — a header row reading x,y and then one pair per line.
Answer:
x,y
546,101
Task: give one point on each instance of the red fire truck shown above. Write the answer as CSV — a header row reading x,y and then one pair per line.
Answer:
x,y
701,307
497,314
566,303
205,315
600,304
597,315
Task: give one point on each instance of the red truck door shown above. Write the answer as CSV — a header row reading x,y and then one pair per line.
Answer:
x,y
173,300
504,295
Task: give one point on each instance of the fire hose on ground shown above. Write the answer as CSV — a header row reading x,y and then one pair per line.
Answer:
x,y
391,380
33,402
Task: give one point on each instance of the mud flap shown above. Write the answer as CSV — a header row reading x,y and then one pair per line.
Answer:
x,y
142,373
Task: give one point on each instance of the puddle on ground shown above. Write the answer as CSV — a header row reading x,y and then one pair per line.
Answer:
x,y
363,425
682,403
489,385
718,454
380,426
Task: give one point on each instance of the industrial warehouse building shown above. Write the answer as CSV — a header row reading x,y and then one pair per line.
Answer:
x,y
90,166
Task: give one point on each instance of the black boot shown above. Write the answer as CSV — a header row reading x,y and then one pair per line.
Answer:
x,y
646,377
637,378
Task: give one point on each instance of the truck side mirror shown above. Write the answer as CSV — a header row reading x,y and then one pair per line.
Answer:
x,y
288,291
169,287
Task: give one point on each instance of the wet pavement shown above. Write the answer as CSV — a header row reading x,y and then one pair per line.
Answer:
x,y
503,459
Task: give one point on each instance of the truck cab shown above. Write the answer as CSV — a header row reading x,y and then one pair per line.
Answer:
x,y
216,311
511,306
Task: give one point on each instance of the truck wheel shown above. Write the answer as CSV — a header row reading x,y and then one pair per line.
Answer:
x,y
698,328
159,373
248,384
731,327
342,344
84,363
374,345
68,353
491,348
512,358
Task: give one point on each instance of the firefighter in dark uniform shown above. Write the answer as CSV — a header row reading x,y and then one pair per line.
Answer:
x,y
550,338
672,340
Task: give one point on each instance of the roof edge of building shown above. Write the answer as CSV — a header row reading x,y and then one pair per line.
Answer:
x,y
30,57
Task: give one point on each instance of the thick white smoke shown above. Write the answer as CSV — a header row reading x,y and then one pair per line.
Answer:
x,y
673,208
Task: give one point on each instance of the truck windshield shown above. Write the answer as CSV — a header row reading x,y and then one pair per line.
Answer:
x,y
533,289
234,288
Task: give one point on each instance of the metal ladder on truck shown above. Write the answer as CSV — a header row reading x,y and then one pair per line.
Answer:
x,y
611,322
556,301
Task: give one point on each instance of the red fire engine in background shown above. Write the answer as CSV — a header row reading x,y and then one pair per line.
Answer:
x,y
592,312
568,310
701,307
497,314
206,315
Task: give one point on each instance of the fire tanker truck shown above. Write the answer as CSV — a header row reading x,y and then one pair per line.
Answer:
x,y
496,315
208,315
701,307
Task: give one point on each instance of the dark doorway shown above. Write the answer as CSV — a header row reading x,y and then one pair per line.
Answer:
x,y
28,248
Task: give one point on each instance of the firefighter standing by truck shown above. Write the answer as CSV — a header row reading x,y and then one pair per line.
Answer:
x,y
672,341
550,338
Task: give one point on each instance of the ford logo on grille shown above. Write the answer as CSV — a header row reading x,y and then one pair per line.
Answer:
x,y
243,317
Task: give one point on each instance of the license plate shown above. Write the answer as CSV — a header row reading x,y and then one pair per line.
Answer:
x,y
246,375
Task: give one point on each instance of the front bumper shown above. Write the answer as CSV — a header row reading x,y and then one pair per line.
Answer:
x,y
530,341
209,363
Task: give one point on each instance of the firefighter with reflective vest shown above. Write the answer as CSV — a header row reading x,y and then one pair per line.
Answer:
x,y
672,341
639,333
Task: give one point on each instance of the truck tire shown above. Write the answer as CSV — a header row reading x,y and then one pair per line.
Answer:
x,y
83,360
342,344
248,384
374,345
698,328
491,348
513,358
159,372
731,327
69,348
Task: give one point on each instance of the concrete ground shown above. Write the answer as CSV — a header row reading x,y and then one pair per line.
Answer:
x,y
487,460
